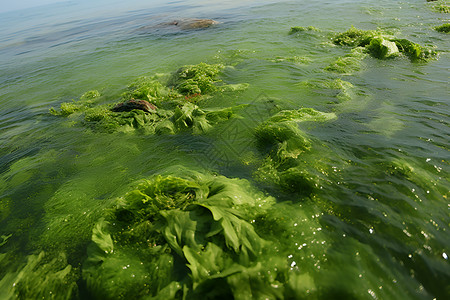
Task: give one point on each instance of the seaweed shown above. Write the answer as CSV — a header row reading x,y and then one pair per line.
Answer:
x,y
149,89
442,7
196,79
382,48
297,29
355,37
150,107
184,236
379,45
414,51
40,278
348,63
284,146
444,28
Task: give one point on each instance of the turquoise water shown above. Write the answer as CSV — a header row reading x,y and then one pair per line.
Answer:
x,y
375,223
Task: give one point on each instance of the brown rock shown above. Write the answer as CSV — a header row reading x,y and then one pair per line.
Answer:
x,y
193,23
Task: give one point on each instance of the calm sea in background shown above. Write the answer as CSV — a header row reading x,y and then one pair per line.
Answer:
x,y
378,228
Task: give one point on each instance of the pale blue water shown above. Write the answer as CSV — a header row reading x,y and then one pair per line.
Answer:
x,y
371,230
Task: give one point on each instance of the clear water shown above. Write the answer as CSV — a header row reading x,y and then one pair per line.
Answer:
x,y
369,232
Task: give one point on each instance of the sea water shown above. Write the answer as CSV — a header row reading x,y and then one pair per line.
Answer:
x,y
375,227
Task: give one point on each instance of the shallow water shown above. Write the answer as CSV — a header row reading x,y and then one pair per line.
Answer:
x,y
370,229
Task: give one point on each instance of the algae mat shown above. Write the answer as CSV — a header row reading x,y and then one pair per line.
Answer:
x,y
292,149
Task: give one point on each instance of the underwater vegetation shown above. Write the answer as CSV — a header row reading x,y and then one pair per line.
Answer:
x,y
156,105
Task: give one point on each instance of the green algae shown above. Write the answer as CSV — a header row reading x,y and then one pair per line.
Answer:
x,y
40,277
149,89
196,79
90,95
349,63
379,45
284,146
4,239
185,236
414,51
444,28
355,37
442,6
298,29
176,97
337,88
382,48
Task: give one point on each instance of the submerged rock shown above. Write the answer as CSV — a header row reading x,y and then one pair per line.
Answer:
x,y
134,104
193,23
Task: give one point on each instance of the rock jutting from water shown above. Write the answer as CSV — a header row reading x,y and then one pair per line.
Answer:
x,y
186,24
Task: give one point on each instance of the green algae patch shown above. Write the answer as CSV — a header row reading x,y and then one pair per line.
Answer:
x,y
149,89
349,63
379,45
68,108
444,28
156,105
298,29
196,79
442,7
355,37
185,235
340,89
414,51
382,48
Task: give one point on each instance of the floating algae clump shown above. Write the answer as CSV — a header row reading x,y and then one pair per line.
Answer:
x,y
445,28
185,236
196,79
355,37
149,89
297,29
414,51
382,48
379,45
